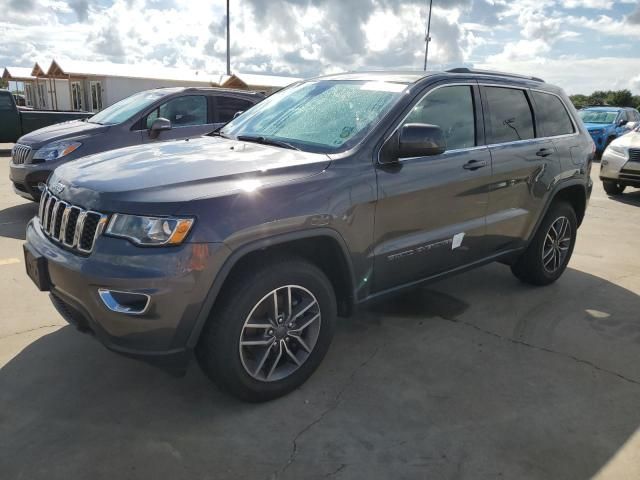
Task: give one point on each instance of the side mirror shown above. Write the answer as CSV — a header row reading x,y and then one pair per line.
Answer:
x,y
622,122
159,125
237,114
420,140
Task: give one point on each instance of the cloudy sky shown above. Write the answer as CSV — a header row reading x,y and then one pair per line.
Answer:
x,y
581,45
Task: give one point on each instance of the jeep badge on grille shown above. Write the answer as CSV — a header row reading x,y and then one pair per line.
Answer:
x,y
57,188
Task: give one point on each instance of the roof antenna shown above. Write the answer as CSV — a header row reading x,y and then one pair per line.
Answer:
x,y
427,37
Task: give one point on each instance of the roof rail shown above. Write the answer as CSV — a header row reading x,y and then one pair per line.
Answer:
x,y
490,72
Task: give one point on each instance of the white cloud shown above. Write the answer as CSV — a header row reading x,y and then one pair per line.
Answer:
x,y
576,75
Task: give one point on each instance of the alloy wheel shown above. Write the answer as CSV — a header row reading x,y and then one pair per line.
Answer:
x,y
280,333
556,244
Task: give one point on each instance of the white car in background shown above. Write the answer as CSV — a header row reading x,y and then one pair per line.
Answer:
x,y
620,166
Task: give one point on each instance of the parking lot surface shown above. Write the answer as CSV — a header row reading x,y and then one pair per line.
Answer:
x,y
477,376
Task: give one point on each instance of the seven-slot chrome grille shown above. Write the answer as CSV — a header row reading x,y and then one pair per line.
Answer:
x,y
20,153
68,224
634,154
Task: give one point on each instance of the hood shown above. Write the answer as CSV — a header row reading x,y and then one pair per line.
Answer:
x,y
61,131
629,140
155,178
597,126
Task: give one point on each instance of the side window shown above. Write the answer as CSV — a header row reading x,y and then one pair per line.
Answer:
x,y
227,107
182,111
451,108
510,117
553,118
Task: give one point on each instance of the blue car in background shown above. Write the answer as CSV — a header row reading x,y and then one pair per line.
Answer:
x,y
605,124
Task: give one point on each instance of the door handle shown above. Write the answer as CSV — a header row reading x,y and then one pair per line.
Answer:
x,y
474,164
544,152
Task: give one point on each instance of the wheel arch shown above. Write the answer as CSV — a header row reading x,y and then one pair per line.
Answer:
x,y
324,247
576,196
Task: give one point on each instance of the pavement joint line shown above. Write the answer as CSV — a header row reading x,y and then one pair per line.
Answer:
x,y
544,349
334,404
9,261
31,330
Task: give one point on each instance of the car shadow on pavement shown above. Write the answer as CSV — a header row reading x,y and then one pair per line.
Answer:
x,y
13,220
473,377
629,197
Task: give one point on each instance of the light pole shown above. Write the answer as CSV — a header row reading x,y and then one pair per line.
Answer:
x,y
427,38
228,43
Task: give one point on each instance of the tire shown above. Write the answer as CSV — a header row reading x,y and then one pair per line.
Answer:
x,y
612,187
538,265
247,299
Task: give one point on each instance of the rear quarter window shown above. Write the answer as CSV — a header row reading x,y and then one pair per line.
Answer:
x,y
553,118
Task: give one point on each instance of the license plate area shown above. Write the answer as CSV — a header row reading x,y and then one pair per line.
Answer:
x,y
36,266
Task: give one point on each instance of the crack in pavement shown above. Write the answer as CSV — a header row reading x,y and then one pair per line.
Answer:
x,y
31,330
544,349
334,404
336,471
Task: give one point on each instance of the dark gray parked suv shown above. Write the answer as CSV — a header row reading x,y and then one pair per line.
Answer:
x,y
244,246
143,118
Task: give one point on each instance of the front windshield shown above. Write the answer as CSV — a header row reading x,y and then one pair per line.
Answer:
x,y
324,116
124,109
598,116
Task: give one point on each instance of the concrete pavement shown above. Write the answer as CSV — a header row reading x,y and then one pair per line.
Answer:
x,y
477,376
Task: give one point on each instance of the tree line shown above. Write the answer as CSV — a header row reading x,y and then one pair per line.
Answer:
x,y
613,98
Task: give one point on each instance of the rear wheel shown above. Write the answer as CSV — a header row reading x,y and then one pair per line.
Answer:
x,y
270,330
548,254
612,187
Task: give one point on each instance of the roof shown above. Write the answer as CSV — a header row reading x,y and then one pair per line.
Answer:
x,y
17,73
415,76
64,68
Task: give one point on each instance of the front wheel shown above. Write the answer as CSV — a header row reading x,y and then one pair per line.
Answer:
x,y
548,254
270,330
612,187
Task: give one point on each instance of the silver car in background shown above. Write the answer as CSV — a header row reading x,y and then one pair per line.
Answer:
x,y
620,166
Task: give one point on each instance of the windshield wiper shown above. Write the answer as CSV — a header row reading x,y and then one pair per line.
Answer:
x,y
266,141
218,133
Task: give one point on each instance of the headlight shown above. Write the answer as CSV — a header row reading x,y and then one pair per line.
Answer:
x,y
150,230
618,150
55,150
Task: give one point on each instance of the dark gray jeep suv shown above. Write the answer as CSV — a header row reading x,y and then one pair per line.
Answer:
x,y
244,246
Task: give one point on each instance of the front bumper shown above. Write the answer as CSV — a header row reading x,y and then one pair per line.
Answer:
x,y
600,139
177,280
26,177
619,168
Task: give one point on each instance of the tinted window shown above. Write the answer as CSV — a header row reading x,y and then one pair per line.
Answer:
x,y
552,116
451,108
227,107
6,103
510,117
182,111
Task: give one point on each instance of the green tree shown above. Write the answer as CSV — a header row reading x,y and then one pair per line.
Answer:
x,y
621,98
599,97
3,83
579,101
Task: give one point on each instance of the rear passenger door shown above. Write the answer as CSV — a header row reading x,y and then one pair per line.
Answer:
x,y
521,158
190,116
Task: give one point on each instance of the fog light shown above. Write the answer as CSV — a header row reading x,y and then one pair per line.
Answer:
x,y
124,302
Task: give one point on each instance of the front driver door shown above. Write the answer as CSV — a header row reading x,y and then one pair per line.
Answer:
x,y
430,215
189,115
